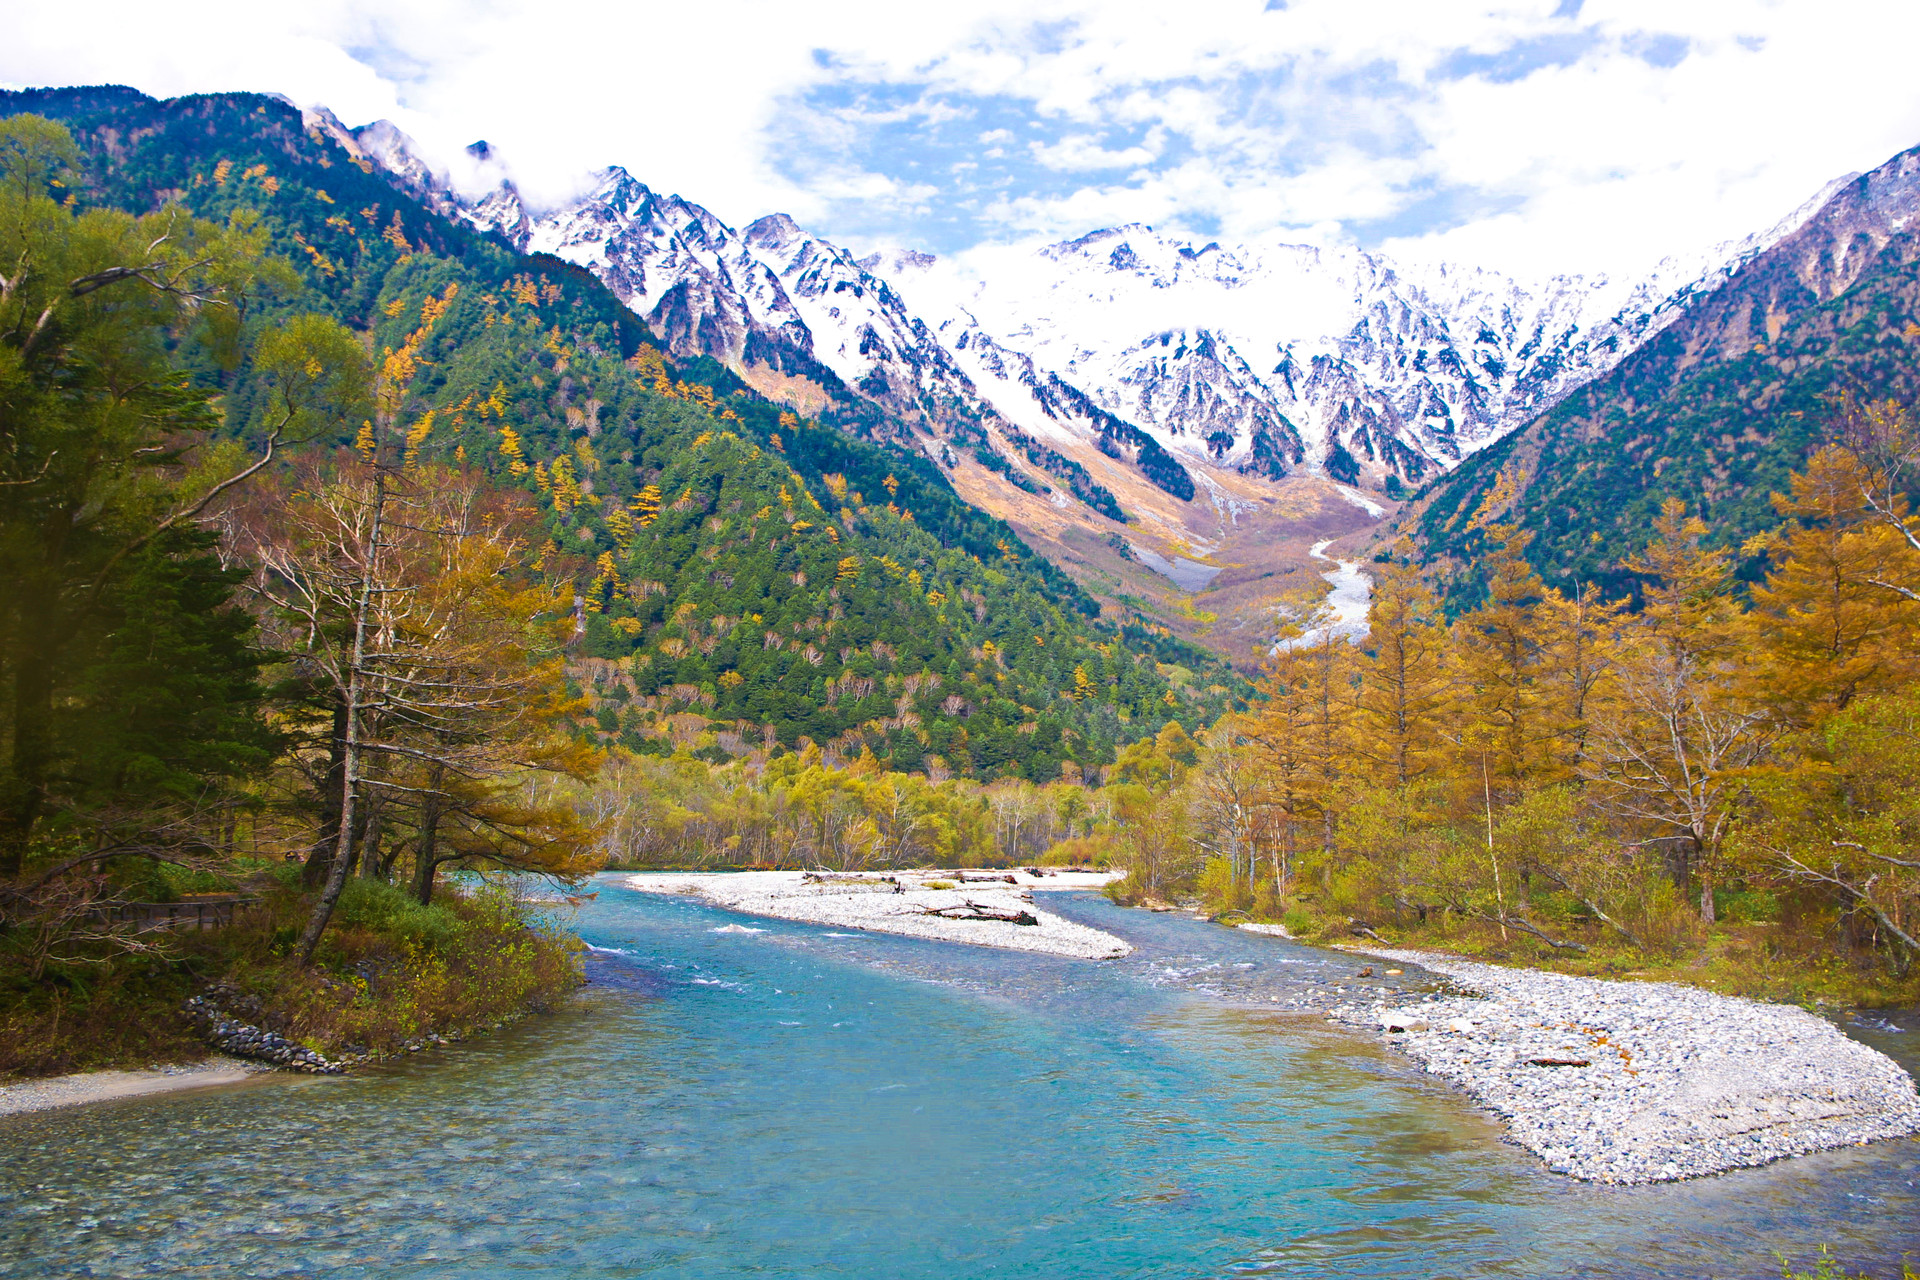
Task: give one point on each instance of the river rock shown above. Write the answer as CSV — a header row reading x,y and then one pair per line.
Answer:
x,y
244,1040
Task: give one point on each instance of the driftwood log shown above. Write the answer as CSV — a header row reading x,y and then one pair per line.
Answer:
x,y
970,910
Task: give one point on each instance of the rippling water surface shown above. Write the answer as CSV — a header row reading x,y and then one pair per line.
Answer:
x,y
800,1103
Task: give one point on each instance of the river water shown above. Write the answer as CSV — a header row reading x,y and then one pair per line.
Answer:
x,y
803,1103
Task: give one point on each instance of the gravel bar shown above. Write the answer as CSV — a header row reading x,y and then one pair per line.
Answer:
x,y
1637,1082
899,902
101,1086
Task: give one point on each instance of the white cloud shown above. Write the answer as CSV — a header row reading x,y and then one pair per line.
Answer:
x,y
1082,153
1565,142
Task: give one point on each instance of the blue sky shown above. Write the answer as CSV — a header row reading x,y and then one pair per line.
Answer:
x,y
1529,136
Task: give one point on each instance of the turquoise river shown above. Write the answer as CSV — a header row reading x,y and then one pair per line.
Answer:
x,y
797,1102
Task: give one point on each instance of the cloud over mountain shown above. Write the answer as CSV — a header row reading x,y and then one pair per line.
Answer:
x,y
1594,135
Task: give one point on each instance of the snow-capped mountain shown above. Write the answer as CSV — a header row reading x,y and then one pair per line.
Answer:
x,y
1266,359
861,329
676,264
774,303
1270,357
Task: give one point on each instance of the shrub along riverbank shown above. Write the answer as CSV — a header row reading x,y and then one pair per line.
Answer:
x,y
389,972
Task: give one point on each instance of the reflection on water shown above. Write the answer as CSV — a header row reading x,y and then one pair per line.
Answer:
x,y
800,1103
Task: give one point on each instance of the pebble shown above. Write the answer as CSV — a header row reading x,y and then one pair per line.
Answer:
x,y
1680,1082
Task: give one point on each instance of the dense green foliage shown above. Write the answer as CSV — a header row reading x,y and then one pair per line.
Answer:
x,y
395,972
137,732
121,683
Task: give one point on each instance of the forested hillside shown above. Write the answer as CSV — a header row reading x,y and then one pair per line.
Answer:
x,y
342,546
1717,411
745,577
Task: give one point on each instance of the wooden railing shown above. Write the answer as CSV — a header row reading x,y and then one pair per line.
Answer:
x,y
203,911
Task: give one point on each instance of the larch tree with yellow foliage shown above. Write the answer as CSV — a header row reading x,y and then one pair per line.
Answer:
x,y
1667,754
1405,679
1832,631
1502,654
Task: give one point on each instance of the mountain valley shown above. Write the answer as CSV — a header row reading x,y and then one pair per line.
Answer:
x,y
1173,423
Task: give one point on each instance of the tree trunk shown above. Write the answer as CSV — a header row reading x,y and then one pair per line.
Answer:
x,y
370,831
426,877
350,742
388,859
426,854
331,793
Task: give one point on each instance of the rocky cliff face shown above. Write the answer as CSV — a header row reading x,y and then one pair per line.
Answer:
x,y
864,333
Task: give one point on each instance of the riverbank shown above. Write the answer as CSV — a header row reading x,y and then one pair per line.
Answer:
x,y
391,977
1637,1082
979,908
51,1092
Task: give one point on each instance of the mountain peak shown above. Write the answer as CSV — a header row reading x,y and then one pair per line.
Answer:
x,y
1393,373
895,262
773,230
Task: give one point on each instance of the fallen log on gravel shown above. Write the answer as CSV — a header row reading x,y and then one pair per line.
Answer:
x,y
978,911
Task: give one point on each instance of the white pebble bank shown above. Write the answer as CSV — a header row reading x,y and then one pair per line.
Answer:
x,y
870,902
1679,1082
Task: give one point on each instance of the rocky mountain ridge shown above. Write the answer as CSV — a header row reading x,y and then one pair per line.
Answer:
x,y
1718,408
1175,424
1266,360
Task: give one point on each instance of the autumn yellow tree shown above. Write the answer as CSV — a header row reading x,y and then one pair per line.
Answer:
x,y
477,712
1578,632
1667,753
1302,730
1832,626
1507,734
1404,679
